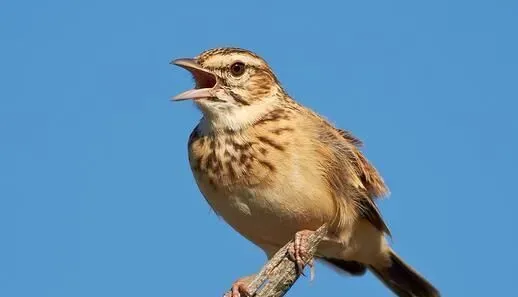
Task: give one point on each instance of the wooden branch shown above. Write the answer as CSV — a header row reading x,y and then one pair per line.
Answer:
x,y
280,273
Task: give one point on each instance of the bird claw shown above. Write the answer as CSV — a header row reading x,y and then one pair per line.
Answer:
x,y
298,251
240,288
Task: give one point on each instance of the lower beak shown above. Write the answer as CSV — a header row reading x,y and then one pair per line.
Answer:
x,y
205,81
193,94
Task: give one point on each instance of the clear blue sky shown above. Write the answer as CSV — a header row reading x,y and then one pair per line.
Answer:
x,y
96,195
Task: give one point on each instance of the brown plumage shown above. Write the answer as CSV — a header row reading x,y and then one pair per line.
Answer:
x,y
271,168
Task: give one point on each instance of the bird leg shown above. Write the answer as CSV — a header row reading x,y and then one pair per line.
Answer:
x,y
298,252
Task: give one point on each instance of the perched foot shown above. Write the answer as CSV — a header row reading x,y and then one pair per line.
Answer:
x,y
240,287
298,251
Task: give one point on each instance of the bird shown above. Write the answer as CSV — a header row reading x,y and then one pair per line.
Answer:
x,y
275,170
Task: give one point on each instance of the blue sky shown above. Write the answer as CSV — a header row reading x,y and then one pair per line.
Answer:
x,y
96,195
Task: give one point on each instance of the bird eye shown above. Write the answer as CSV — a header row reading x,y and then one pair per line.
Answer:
x,y
237,69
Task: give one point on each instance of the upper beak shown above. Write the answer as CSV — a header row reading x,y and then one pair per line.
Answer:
x,y
205,80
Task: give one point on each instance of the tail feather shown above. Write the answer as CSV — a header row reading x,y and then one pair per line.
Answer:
x,y
350,267
403,280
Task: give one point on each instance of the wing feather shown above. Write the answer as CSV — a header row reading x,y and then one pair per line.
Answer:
x,y
354,175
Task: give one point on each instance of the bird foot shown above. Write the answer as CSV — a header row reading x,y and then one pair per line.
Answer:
x,y
298,252
240,287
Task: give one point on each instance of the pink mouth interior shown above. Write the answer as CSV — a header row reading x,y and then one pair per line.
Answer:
x,y
203,79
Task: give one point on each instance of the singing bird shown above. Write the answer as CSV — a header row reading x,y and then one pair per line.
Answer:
x,y
275,170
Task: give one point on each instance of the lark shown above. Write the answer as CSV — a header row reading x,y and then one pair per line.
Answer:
x,y
275,170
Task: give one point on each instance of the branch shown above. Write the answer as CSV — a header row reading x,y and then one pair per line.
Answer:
x,y
280,273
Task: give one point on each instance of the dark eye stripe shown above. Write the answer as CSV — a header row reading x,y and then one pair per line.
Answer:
x,y
238,98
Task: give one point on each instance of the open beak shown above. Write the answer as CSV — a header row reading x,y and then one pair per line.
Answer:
x,y
205,81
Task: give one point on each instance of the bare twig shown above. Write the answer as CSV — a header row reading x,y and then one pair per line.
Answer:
x,y
280,273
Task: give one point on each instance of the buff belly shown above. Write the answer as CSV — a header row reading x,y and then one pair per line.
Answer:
x,y
267,217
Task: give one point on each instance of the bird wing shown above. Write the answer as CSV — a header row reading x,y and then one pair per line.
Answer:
x,y
354,174
350,137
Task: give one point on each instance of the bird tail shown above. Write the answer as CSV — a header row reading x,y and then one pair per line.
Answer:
x,y
402,279
352,268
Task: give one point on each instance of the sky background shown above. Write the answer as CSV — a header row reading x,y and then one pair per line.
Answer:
x,y
96,194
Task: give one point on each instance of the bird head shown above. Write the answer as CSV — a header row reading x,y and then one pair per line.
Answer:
x,y
233,87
